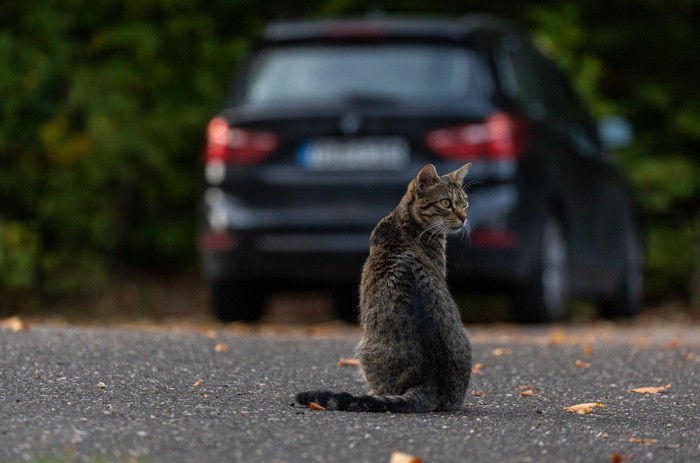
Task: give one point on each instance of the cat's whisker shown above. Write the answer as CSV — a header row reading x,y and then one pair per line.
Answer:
x,y
425,230
466,233
430,228
467,185
447,229
444,230
434,228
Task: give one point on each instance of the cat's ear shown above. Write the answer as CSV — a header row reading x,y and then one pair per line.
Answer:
x,y
459,174
426,177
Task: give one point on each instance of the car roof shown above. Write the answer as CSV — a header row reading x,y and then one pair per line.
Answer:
x,y
429,28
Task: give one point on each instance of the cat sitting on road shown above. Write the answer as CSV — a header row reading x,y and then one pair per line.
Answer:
x,y
414,352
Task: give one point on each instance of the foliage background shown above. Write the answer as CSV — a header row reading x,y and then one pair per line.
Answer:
x,y
103,105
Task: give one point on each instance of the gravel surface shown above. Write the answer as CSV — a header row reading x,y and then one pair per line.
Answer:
x,y
225,395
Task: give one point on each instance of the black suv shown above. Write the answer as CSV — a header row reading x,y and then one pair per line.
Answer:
x,y
328,122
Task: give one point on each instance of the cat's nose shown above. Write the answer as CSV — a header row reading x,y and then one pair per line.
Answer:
x,y
461,214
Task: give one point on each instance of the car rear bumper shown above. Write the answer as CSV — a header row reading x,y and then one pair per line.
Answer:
x,y
338,259
329,246
303,258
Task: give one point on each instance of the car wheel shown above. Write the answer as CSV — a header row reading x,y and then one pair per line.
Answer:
x,y
236,301
545,297
346,303
626,301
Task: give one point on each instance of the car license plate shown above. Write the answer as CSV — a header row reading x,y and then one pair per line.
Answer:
x,y
385,153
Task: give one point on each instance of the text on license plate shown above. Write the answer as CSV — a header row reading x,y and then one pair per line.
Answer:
x,y
357,153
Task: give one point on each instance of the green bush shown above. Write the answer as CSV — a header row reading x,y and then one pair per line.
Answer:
x,y
102,117
18,255
103,105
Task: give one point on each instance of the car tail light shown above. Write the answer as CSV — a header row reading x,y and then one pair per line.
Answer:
x,y
218,241
501,136
490,238
235,144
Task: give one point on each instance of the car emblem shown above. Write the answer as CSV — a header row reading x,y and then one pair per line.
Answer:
x,y
350,124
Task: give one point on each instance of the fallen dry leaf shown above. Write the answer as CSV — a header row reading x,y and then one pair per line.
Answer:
x,y
315,406
582,364
500,351
584,409
221,347
588,349
476,369
399,457
651,389
618,458
526,386
349,362
14,324
527,393
673,344
640,440
558,336
198,383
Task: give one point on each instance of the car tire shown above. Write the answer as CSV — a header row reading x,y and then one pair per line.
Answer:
x,y
626,301
346,303
236,301
545,298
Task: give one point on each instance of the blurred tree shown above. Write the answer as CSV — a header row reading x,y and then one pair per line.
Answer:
x,y
651,56
103,105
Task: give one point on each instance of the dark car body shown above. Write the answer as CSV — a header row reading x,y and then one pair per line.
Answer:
x,y
329,121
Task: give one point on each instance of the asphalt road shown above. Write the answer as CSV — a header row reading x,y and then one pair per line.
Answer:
x,y
171,395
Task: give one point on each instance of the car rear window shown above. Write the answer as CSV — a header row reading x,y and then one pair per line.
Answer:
x,y
402,71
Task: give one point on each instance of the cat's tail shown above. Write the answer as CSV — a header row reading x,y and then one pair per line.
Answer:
x,y
410,402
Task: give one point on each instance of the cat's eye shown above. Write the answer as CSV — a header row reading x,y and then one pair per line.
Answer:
x,y
446,203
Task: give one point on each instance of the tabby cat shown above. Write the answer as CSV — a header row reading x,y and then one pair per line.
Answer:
x,y
414,353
